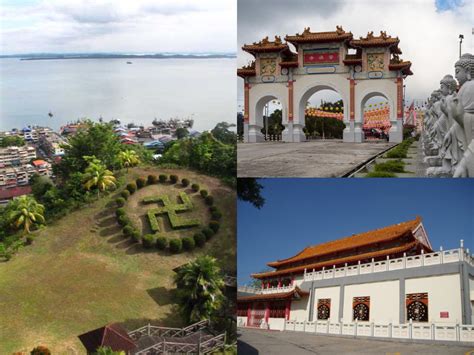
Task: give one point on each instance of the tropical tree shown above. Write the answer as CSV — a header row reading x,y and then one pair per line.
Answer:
x,y
199,288
24,212
98,176
106,350
128,158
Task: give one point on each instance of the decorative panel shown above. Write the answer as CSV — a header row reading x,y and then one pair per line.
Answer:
x,y
320,56
268,66
375,61
361,308
324,308
417,307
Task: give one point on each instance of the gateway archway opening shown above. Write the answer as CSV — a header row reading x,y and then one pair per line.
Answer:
x,y
376,117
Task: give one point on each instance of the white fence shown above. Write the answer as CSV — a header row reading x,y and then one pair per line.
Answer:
x,y
406,262
429,331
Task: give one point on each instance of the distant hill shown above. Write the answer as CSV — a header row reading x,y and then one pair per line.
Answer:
x,y
48,56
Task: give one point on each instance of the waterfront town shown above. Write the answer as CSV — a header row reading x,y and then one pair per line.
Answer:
x,y
34,150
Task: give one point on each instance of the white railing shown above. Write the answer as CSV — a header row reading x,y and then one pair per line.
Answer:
x,y
426,331
405,262
264,291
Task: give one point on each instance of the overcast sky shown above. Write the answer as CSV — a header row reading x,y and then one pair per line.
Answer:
x,y
28,26
428,30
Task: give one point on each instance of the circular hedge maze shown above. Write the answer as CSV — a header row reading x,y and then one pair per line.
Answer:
x,y
172,215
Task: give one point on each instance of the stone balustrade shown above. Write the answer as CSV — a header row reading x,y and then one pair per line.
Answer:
x,y
265,291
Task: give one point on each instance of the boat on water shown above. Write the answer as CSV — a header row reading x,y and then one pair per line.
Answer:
x,y
129,63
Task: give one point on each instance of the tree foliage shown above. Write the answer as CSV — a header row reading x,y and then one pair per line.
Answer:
x,y
222,133
199,289
249,190
98,176
128,158
24,213
12,141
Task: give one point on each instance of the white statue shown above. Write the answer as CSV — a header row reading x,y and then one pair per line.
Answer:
x,y
460,107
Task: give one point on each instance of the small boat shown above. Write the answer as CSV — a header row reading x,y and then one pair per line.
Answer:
x,y
129,63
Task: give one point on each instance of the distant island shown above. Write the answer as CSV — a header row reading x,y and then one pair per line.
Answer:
x,y
49,56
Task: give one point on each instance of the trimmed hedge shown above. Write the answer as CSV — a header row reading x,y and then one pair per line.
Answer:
x,y
380,174
120,212
203,193
163,178
152,179
162,243
131,187
174,179
128,230
123,220
208,232
213,209
141,182
125,194
195,187
199,239
136,236
148,241
120,201
176,246
188,243
209,200
214,225
185,182
392,166
216,215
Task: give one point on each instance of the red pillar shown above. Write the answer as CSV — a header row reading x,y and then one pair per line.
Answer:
x,y
352,100
246,102
287,309
279,282
267,312
268,284
290,100
292,279
399,98
249,312
263,284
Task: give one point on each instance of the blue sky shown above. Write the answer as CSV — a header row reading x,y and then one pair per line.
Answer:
x,y
303,212
443,5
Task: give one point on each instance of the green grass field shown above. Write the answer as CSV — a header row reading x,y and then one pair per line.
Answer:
x,y
81,273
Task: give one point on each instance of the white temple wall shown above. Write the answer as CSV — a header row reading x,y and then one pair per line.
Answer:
x,y
384,301
300,309
276,323
333,294
444,295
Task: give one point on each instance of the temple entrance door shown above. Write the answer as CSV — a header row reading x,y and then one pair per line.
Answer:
x,y
257,315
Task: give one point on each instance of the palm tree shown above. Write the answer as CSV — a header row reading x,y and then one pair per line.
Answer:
x,y
97,175
199,286
128,158
106,350
25,211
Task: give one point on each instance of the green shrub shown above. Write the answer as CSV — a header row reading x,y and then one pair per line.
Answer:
x,y
152,179
148,241
127,230
380,174
393,166
208,232
209,200
195,187
213,209
176,245
199,239
174,179
125,194
29,239
141,182
214,225
163,178
161,243
123,220
40,350
131,187
216,215
136,235
188,243
203,193
120,212
185,182
120,201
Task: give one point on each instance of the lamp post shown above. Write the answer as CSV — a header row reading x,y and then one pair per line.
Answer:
x,y
461,37
266,121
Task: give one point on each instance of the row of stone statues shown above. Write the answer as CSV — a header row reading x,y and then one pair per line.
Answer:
x,y
448,134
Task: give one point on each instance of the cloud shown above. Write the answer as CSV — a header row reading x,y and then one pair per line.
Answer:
x,y
118,25
428,37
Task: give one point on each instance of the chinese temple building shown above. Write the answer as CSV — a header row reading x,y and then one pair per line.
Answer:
x,y
357,69
385,276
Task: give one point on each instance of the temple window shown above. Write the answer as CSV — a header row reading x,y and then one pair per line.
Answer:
x,y
324,308
417,307
361,308
277,309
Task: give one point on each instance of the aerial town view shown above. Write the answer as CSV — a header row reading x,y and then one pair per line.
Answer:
x,y
117,201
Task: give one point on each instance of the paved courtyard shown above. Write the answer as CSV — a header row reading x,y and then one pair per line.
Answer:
x,y
331,158
251,342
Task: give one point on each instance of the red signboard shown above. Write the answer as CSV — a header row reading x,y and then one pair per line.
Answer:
x,y
331,57
444,314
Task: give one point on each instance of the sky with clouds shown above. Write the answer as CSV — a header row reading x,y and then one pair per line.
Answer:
x,y
428,30
28,26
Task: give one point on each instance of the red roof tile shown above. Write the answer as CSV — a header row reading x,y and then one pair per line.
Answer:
x,y
320,37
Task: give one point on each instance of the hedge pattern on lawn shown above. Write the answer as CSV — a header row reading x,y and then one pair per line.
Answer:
x,y
174,245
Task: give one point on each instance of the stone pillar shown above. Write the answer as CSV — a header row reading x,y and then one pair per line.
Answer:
x,y
267,312
396,131
246,111
341,301
311,302
402,296
348,134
